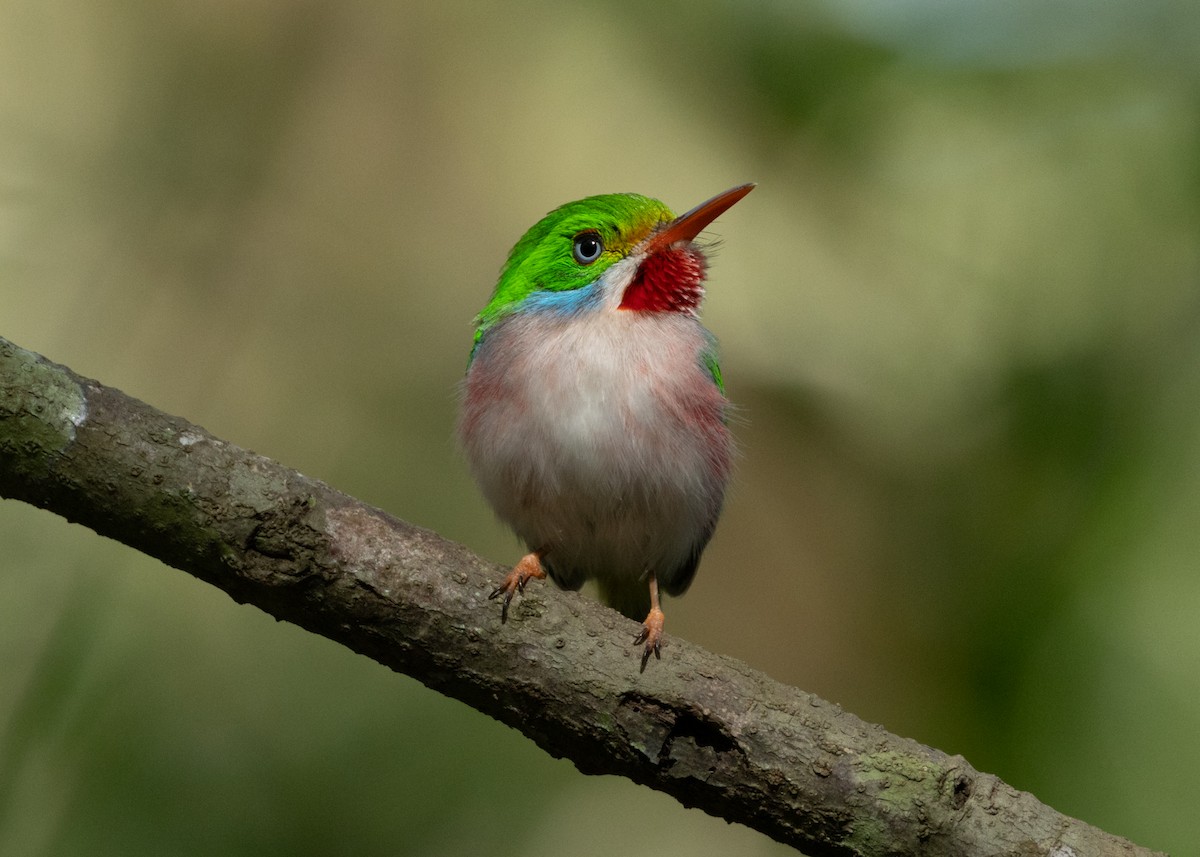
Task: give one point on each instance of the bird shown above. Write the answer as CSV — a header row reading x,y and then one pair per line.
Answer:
x,y
593,415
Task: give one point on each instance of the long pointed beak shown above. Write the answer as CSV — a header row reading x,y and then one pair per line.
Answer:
x,y
687,226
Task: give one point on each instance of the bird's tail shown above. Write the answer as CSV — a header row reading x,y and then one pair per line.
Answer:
x,y
630,597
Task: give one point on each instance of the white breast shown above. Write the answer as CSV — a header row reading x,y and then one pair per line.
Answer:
x,y
600,438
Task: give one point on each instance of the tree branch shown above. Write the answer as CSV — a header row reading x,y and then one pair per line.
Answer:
x,y
704,728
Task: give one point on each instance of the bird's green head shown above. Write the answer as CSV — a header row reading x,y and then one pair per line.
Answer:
x,y
559,265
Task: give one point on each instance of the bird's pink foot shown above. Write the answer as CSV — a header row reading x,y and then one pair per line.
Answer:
x,y
529,568
652,633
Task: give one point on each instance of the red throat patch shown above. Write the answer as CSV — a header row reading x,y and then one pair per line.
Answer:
x,y
671,280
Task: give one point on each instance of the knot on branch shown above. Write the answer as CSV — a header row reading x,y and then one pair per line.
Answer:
x,y
682,740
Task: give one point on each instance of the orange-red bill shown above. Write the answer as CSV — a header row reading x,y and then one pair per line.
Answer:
x,y
687,226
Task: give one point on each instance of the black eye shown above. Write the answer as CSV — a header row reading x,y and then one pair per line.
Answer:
x,y
587,248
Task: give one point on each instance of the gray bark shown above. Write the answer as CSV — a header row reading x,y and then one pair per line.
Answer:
x,y
704,728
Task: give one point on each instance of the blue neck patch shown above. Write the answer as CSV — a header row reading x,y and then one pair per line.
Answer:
x,y
566,302
561,304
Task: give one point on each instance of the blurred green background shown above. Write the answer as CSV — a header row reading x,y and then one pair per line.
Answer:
x,y
960,315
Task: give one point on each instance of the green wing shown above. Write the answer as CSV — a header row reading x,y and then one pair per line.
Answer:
x,y
709,359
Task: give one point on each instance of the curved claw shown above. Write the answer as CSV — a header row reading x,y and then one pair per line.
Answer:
x,y
530,567
651,635
507,591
